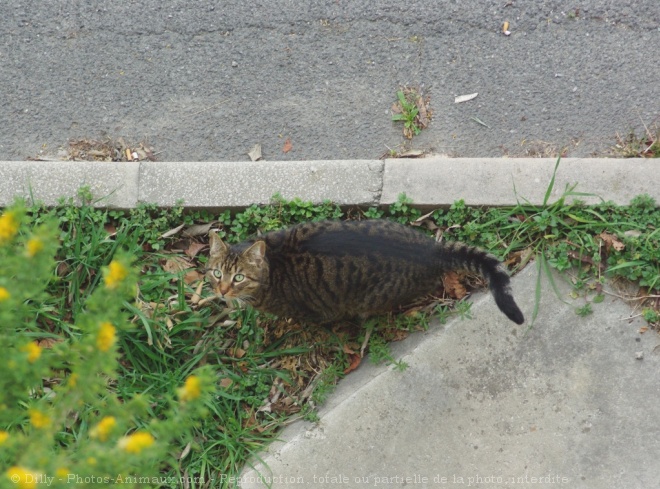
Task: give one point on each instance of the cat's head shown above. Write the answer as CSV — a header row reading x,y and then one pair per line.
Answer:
x,y
236,273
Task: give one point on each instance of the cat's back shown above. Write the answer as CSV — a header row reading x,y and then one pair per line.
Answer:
x,y
328,270
368,238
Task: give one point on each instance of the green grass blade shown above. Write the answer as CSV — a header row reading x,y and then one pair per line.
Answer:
x,y
551,184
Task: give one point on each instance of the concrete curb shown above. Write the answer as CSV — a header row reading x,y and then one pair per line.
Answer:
x,y
428,182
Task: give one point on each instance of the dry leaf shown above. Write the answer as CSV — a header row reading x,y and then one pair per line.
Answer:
x,y
287,146
611,241
172,232
198,229
255,152
192,276
453,285
110,229
185,451
177,264
464,98
226,382
355,363
411,153
194,248
422,116
47,342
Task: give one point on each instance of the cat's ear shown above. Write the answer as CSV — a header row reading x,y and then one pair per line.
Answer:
x,y
256,253
218,247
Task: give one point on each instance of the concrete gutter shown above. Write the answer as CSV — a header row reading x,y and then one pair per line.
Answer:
x,y
429,182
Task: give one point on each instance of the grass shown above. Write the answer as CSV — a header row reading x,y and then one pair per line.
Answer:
x,y
412,109
271,372
633,145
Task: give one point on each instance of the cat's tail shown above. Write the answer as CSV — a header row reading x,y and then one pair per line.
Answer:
x,y
456,255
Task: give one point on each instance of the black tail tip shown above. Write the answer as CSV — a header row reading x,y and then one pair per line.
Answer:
x,y
515,315
508,306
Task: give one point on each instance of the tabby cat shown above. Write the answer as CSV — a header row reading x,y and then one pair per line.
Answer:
x,y
324,272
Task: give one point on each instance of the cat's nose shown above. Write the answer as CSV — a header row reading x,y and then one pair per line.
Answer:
x,y
223,289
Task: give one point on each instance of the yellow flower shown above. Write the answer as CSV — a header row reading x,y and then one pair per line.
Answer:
x,y
3,437
22,477
136,442
8,226
106,336
192,389
91,461
34,246
73,379
115,274
4,294
103,429
62,473
33,351
39,419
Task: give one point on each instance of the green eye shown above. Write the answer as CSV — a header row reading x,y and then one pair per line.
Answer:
x,y
217,273
239,277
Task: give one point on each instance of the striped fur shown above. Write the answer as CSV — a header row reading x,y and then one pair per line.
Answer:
x,y
327,271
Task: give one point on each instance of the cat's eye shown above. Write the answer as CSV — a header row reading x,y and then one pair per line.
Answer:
x,y
217,273
239,277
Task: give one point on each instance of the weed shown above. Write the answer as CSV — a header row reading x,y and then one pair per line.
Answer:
x,y
634,146
412,109
584,310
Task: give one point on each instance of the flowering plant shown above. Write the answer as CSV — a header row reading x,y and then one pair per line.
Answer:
x,y
61,419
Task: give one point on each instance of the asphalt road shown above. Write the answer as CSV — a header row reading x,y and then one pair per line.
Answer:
x,y
205,81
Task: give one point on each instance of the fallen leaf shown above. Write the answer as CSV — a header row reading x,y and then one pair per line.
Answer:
x,y
255,152
185,451
287,146
194,248
177,264
611,241
47,342
192,276
172,231
643,329
198,229
354,363
411,153
111,229
422,115
226,382
453,285
464,98
426,222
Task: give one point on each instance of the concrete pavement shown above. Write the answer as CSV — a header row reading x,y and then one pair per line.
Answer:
x,y
434,181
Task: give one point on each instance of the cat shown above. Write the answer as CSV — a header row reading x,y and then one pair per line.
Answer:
x,y
329,271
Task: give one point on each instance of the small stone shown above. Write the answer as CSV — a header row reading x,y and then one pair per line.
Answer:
x,y
639,355
234,64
